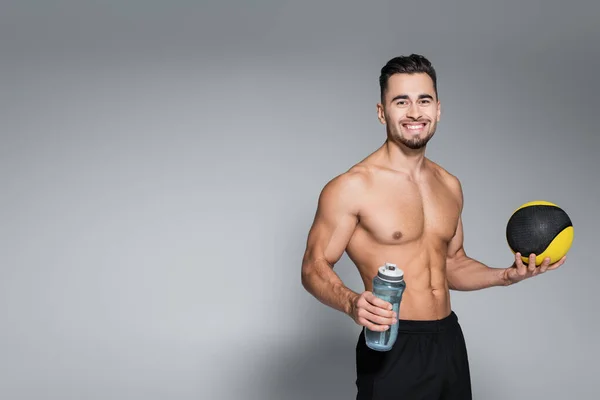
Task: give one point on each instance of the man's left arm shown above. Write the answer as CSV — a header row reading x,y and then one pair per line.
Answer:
x,y
465,273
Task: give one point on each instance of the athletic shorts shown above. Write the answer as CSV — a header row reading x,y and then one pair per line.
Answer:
x,y
427,362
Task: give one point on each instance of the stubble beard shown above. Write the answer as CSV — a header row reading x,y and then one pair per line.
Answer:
x,y
414,143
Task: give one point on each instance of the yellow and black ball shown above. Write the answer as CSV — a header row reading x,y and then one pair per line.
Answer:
x,y
541,228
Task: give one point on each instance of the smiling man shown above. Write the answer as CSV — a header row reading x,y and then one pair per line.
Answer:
x,y
398,206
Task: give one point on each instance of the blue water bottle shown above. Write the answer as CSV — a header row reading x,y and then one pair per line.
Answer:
x,y
388,285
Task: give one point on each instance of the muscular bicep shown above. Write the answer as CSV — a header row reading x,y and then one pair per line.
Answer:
x,y
334,223
330,234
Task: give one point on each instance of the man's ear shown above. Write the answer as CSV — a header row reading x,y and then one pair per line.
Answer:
x,y
381,113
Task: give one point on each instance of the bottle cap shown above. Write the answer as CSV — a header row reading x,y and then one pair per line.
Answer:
x,y
391,273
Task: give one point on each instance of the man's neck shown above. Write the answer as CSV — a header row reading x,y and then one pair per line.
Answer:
x,y
404,159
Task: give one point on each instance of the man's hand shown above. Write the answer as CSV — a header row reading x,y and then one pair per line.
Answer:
x,y
371,311
520,271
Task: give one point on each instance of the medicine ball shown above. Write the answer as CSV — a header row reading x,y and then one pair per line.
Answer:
x,y
541,228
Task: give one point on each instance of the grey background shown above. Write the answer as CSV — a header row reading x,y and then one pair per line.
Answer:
x,y
160,166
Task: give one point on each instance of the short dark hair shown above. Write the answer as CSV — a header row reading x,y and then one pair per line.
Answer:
x,y
412,64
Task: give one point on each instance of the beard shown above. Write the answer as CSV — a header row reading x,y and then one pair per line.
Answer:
x,y
415,143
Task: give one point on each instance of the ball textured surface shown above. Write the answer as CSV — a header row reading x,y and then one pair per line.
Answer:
x,y
542,228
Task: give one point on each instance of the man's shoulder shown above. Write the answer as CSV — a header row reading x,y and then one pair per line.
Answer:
x,y
355,178
451,180
349,184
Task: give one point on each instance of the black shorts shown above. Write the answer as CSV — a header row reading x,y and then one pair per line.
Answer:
x,y
428,362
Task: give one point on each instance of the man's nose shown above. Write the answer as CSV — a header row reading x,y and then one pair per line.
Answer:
x,y
413,112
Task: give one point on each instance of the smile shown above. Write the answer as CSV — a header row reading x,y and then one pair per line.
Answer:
x,y
414,127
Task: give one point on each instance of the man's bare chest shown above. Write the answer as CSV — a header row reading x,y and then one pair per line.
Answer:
x,y
395,214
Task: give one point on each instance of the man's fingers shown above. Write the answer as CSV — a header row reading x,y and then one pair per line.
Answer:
x,y
375,310
374,318
375,313
521,268
377,302
544,266
531,267
372,326
557,264
380,312
377,306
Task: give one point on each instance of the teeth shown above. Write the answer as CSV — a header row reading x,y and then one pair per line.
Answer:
x,y
414,126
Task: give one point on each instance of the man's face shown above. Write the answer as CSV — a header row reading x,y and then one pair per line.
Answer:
x,y
410,109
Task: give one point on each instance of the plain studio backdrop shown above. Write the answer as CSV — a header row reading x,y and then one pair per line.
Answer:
x,y
160,168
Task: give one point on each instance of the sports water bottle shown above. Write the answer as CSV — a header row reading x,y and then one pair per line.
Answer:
x,y
388,285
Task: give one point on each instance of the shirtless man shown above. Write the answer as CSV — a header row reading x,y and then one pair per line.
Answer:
x,y
398,206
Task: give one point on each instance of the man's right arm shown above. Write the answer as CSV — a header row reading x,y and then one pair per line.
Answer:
x,y
334,223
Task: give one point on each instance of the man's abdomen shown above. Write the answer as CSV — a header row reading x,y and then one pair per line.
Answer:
x,y
419,304
427,296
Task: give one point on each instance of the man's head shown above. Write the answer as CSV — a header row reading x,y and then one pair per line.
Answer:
x,y
409,105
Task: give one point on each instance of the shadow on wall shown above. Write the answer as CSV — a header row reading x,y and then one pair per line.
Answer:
x,y
320,367
314,359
